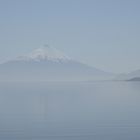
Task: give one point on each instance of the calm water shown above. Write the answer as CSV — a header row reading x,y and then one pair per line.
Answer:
x,y
70,111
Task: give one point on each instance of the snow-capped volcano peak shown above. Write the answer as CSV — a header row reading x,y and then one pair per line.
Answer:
x,y
48,64
45,53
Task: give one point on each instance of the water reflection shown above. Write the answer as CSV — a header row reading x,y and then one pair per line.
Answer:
x,y
98,110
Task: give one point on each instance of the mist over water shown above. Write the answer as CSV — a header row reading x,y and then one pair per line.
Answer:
x,y
70,111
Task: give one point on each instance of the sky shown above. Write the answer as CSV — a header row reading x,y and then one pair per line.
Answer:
x,y
102,33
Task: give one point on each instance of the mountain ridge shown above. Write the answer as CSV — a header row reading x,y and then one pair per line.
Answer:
x,y
48,64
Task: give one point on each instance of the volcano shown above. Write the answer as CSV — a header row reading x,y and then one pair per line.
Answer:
x,y
48,64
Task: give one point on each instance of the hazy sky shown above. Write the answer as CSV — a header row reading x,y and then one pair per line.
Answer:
x,y
102,33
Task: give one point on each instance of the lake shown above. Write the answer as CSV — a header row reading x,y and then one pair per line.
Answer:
x,y
70,111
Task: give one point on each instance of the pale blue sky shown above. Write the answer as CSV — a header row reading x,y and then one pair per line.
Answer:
x,y
101,33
